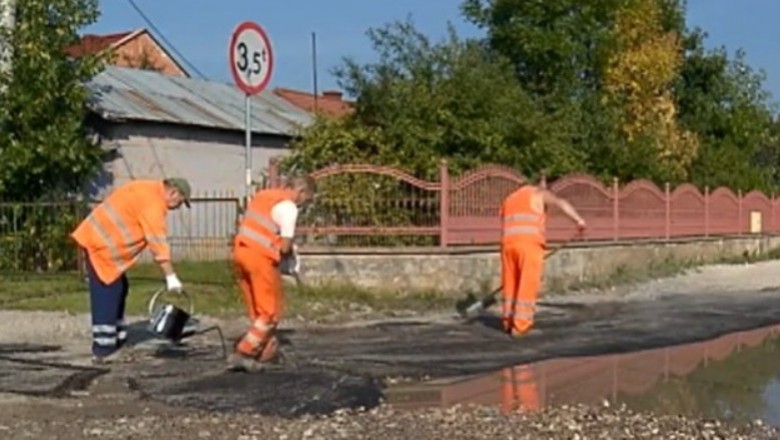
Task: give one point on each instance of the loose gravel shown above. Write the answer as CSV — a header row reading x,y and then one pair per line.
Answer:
x,y
569,422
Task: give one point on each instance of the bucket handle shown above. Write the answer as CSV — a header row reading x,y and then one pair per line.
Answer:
x,y
157,294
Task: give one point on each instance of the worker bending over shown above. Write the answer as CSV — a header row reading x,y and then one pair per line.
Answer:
x,y
265,236
523,244
113,236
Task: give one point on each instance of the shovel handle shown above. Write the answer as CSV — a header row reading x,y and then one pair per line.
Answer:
x,y
156,296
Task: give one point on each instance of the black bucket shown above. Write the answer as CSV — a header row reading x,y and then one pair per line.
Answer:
x,y
168,321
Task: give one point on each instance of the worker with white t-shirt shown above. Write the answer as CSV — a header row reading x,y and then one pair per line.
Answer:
x,y
265,237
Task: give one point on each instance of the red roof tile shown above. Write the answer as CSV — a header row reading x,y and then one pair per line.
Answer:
x,y
91,44
330,102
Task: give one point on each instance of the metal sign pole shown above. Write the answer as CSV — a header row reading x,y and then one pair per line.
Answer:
x,y
251,64
248,148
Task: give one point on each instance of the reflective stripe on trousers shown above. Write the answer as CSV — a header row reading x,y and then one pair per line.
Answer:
x,y
109,335
255,338
517,309
105,335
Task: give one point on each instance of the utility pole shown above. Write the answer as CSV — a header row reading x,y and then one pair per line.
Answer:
x,y
314,67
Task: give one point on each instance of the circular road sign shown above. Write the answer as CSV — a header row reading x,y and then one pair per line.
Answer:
x,y
251,58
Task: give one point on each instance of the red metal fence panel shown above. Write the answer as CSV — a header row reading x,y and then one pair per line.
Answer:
x,y
363,205
360,203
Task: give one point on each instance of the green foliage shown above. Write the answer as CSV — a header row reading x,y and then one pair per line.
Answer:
x,y
423,101
558,49
724,102
36,237
614,88
419,103
43,144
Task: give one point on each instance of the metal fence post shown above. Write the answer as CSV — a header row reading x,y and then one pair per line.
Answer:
x,y
739,212
772,212
706,211
668,202
444,203
615,209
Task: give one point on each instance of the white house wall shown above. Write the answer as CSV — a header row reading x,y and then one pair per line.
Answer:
x,y
212,161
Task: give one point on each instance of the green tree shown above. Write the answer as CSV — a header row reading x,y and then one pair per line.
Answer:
x,y
419,103
423,101
638,79
711,120
43,145
724,102
557,47
558,50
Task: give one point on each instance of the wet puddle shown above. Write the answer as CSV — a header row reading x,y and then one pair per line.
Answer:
x,y
735,376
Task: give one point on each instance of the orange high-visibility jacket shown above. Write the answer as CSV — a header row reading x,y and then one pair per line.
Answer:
x,y
117,230
521,224
257,230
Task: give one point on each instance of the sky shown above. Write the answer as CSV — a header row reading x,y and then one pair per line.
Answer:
x,y
200,30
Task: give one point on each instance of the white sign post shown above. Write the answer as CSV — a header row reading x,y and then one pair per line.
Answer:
x,y
251,64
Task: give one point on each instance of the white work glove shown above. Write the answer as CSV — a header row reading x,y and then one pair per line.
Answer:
x,y
172,282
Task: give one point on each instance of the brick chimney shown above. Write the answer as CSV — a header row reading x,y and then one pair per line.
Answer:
x,y
334,95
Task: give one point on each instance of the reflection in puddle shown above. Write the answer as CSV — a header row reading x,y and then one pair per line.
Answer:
x,y
736,376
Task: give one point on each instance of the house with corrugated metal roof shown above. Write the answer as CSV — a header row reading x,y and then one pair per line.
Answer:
x,y
156,125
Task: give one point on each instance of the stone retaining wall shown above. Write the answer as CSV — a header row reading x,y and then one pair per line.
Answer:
x,y
477,269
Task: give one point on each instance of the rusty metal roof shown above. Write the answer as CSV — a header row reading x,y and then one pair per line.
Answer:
x,y
122,94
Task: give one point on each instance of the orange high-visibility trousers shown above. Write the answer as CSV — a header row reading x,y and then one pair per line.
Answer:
x,y
522,266
519,389
261,284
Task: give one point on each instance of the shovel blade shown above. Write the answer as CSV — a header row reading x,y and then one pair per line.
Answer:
x,y
463,305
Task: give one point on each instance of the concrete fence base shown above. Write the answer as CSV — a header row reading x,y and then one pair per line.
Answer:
x,y
478,269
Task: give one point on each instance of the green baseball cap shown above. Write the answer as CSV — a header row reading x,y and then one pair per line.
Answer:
x,y
183,186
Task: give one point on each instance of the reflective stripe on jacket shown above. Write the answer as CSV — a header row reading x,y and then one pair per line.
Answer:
x,y
520,223
115,233
257,230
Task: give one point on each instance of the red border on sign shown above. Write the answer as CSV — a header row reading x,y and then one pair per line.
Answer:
x,y
248,25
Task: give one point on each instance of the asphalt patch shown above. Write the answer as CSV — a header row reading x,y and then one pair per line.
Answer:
x,y
283,393
31,376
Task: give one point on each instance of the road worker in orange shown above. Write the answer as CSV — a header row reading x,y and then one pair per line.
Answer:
x,y
264,239
523,245
131,218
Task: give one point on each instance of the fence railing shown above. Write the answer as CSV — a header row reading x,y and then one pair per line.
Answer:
x,y
365,205
373,206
